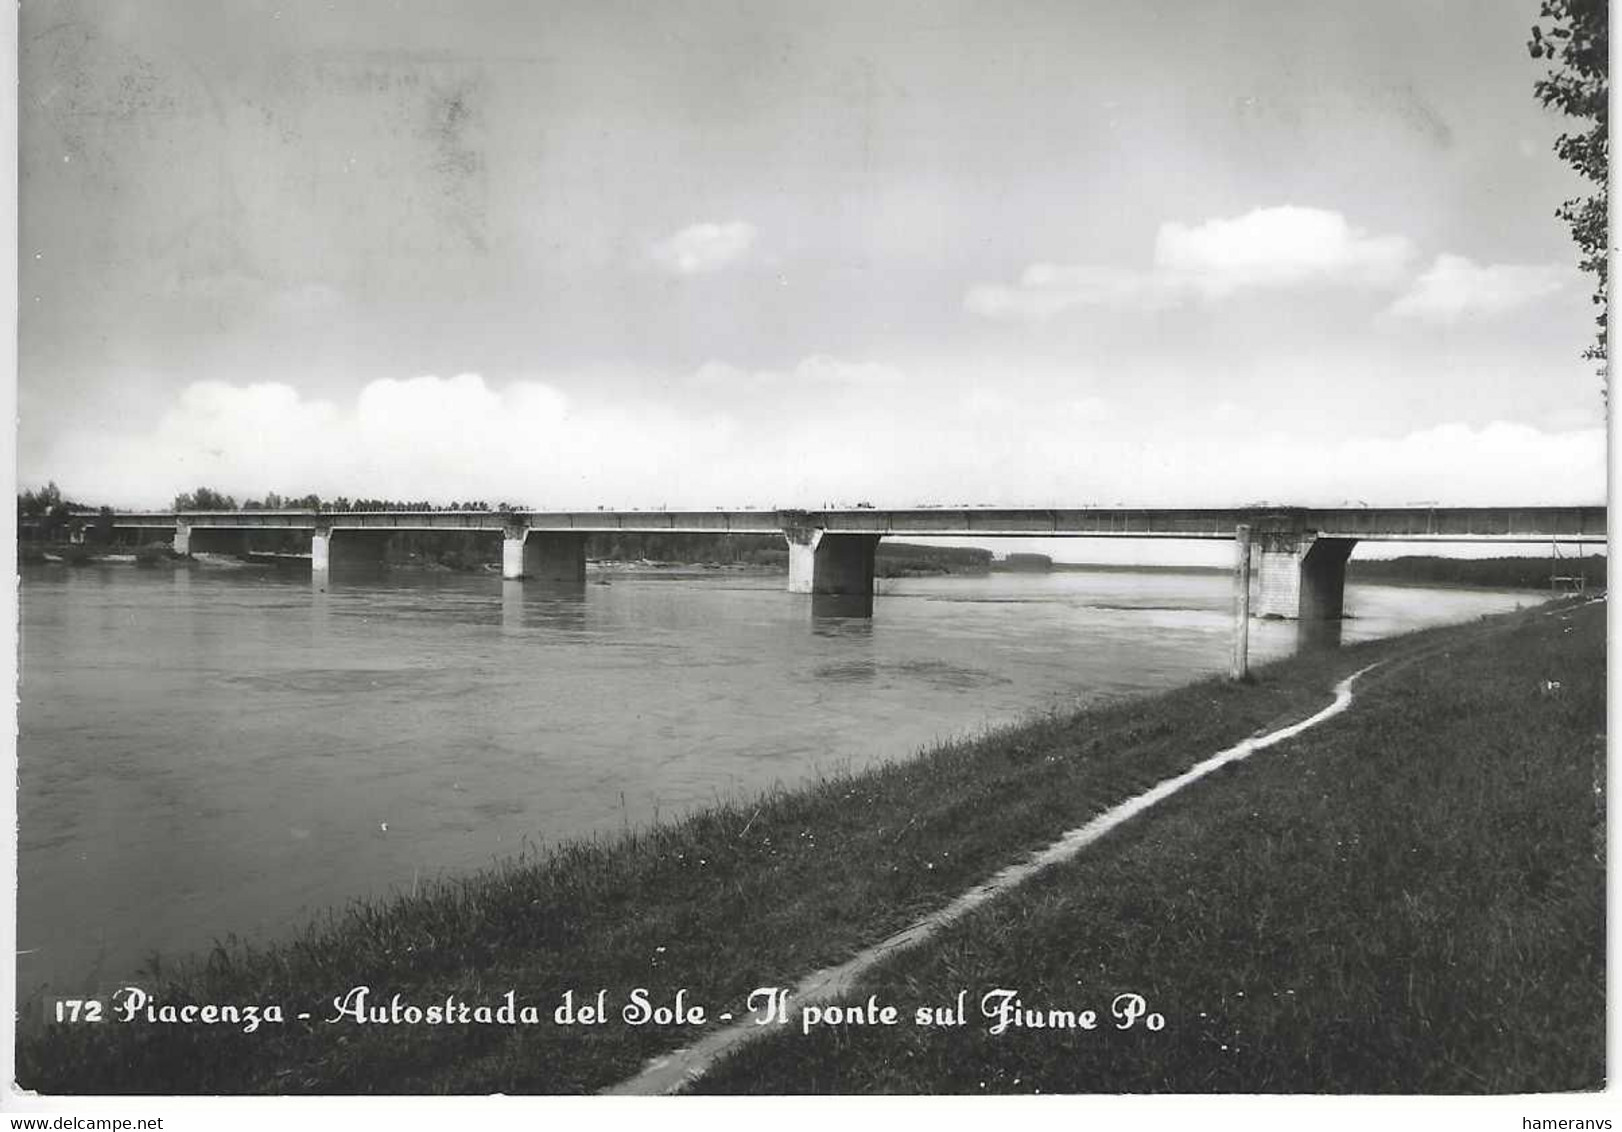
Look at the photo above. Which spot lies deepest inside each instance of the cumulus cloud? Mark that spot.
(419, 438)
(1453, 464)
(1053, 460)
(530, 442)
(1278, 247)
(1089, 410)
(991, 406)
(701, 248)
(814, 371)
(1266, 248)
(1456, 288)
(823, 370)
(1048, 289)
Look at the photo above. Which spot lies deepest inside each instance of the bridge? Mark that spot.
(1293, 559)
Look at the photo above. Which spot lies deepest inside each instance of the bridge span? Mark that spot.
(1292, 559)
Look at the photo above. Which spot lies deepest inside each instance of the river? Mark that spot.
(206, 752)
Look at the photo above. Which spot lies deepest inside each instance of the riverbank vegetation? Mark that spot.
(1494, 573)
(1409, 898)
(35, 552)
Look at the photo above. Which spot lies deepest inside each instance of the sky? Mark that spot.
(783, 254)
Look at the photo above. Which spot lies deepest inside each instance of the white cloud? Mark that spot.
(982, 402)
(1278, 247)
(1048, 289)
(1265, 248)
(996, 401)
(706, 247)
(713, 373)
(1456, 465)
(823, 370)
(421, 438)
(1089, 410)
(1455, 287)
(817, 370)
(1050, 459)
(528, 442)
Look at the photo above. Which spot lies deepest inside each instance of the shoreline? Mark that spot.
(742, 895)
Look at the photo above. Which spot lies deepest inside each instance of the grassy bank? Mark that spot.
(760, 893)
(1410, 899)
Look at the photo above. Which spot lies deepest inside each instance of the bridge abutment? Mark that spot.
(548, 556)
(821, 563)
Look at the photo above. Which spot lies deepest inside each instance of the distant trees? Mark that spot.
(47, 501)
(1526, 573)
(207, 499)
(39, 503)
(1576, 41)
(204, 499)
(662, 546)
(343, 503)
(44, 514)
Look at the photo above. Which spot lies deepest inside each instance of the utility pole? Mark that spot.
(1241, 604)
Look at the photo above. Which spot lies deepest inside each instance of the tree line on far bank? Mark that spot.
(207, 499)
(1504, 573)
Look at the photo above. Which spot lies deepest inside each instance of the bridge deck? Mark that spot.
(1495, 524)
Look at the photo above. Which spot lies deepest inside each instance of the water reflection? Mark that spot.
(834, 607)
(848, 672)
(1319, 636)
(536, 604)
(349, 573)
(320, 612)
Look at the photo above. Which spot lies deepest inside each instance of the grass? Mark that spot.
(750, 894)
(1409, 899)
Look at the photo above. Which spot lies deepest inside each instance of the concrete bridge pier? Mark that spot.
(820, 563)
(209, 540)
(1301, 576)
(548, 556)
(338, 547)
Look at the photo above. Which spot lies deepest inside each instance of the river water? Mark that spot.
(215, 751)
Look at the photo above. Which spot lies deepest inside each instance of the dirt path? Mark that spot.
(669, 1073)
